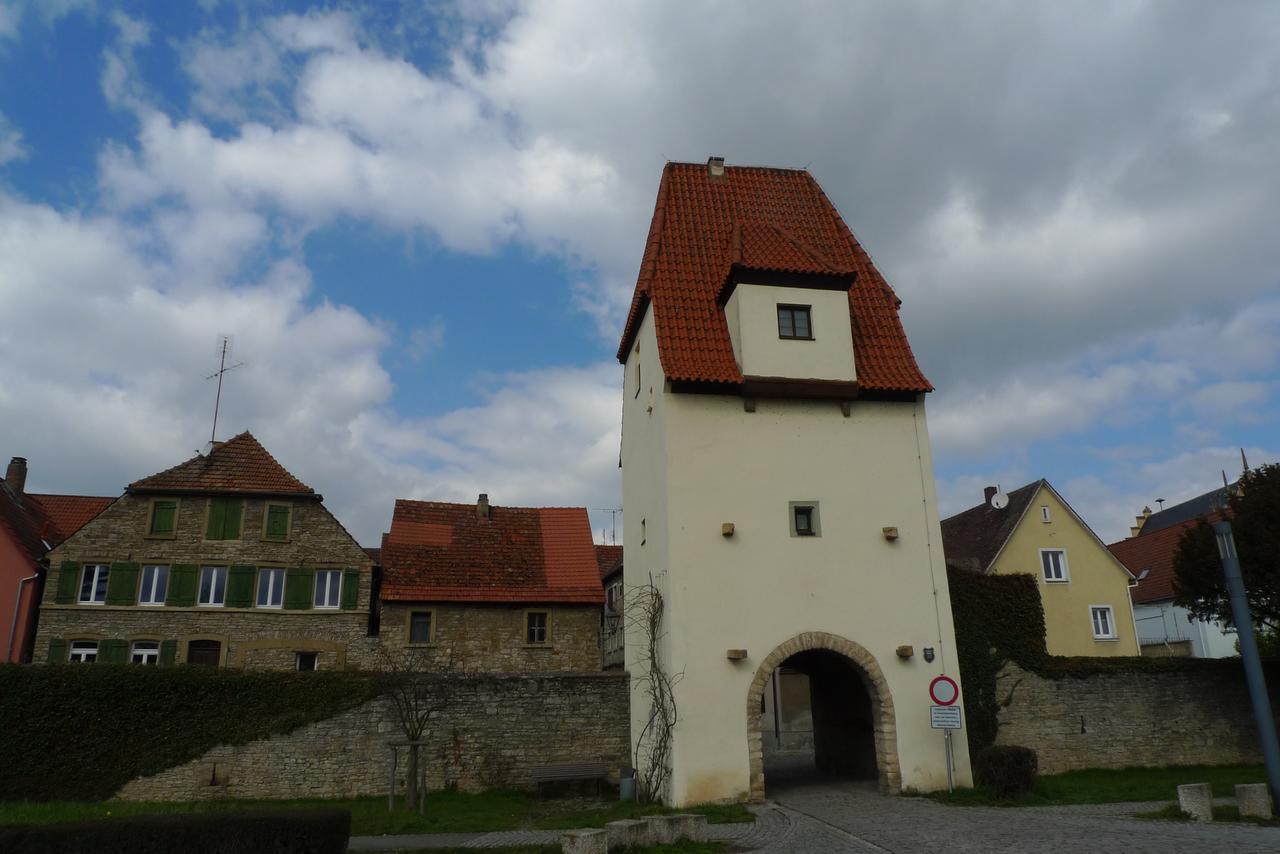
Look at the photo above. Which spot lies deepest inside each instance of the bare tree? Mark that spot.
(419, 694)
(643, 613)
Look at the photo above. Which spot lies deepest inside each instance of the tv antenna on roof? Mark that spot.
(225, 345)
(613, 512)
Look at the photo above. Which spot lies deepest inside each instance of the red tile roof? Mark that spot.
(1155, 552)
(69, 513)
(608, 558)
(439, 552)
(238, 465)
(762, 219)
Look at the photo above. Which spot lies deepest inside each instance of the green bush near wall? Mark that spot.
(81, 732)
(998, 619)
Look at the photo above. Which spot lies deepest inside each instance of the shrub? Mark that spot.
(1010, 771)
(321, 831)
(80, 733)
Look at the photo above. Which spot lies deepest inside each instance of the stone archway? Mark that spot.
(886, 740)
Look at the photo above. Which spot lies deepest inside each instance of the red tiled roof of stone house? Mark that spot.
(608, 557)
(69, 513)
(39, 522)
(238, 465)
(442, 552)
(762, 219)
(1154, 553)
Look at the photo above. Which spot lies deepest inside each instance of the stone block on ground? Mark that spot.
(587, 840)
(689, 826)
(1196, 800)
(1254, 800)
(628, 833)
(663, 829)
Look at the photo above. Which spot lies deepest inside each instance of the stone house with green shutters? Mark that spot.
(226, 560)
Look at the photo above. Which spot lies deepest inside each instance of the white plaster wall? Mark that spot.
(752, 317)
(762, 586)
(1163, 621)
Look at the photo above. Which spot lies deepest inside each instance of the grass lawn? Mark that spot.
(1113, 786)
(447, 812)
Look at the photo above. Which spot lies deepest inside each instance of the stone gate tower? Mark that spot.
(778, 486)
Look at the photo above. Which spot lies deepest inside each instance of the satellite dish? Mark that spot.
(1000, 500)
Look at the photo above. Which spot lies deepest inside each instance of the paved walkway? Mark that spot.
(815, 818)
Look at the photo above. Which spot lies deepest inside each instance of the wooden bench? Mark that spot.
(564, 772)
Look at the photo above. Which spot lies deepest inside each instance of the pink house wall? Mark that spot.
(14, 566)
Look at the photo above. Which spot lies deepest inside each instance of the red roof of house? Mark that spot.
(38, 523)
(1154, 552)
(439, 552)
(239, 465)
(759, 219)
(69, 513)
(608, 557)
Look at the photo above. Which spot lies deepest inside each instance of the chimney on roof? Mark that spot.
(16, 475)
(715, 167)
(482, 506)
(988, 492)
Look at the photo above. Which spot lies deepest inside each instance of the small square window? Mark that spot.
(213, 585)
(1053, 563)
(275, 522)
(83, 652)
(224, 519)
(164, 517)
(155, 585)
(1044, 513)
(793, 322)
(1104, 624)
(306, 661)
(804, 519)
(535, 625)
(420, 625)
(93, 584)
(145, 652)
(328, 586)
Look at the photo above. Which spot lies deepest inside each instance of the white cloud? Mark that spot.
(425, 340)
(11, 146)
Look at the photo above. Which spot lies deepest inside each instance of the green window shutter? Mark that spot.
(122, 584)
(277, 522)
(68, 582)
(231, 520)
(182, 586)
(57, 650)
(298, 587)
(217, 514)
(113, 651)
(163, 514)
(240, 586)
(350, 588)
(168, 652)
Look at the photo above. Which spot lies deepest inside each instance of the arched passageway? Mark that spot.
(819, 707)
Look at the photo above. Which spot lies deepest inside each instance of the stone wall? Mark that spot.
(478, 636)
(495, 729)
(1181, 715)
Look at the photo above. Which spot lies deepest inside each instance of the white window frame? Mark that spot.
(1044, 514)
(1066, 571)
(331, 590)
(152, 652)
(297, 661)
(213, 587)
(79, 649)
(147, 593)
(274, 577)
(1111, 622)
(101, 574)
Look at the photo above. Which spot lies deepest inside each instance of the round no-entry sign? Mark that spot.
(944, 690)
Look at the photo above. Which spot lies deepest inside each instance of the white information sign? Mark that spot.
(944, 717)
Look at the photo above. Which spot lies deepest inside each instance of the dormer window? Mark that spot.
(793, 322)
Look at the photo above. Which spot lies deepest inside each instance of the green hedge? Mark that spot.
(82, 732)
(1009, 771)
(321, 831)
(998, 619)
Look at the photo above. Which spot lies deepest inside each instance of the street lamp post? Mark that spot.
(1249, 653)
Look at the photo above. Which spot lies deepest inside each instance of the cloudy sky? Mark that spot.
(421, 225)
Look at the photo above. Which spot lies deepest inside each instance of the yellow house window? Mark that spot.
(1053, 563)
(1104, 623)
(1044, 513)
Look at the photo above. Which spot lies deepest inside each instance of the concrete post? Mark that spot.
(1196, 800)
(1254, 800)
(585, 841)
(628, 833)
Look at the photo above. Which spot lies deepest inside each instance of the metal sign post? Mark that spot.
(945, 716)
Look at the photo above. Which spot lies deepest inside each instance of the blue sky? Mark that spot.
(421, 224)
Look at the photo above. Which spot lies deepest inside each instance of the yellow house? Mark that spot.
(1033, 530)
